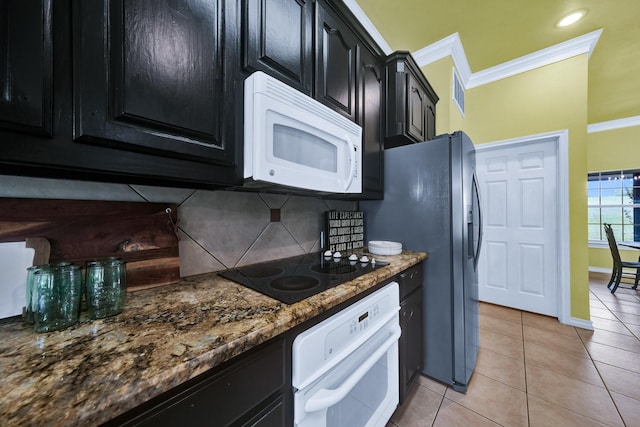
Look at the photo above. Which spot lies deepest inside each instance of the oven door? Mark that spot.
(362, 390)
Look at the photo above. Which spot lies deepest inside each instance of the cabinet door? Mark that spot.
(416, 109)
(411, 341)
(430, 120)
(335, 61)
(277, 39)
(371, 102)
(248, 392)
(26, 66)
(272, 416)
(150, 77)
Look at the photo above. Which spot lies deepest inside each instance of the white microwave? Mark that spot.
(293, 140)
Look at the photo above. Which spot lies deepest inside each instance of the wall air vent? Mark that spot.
(458, 92)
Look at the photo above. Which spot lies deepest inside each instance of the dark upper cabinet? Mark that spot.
(350, 79)
(336, 56)
(150, 77)
(370, 117)
(26, 70)
(349, 70)
(121, 91)
(151, 91)
(410, 115)
(277, 39)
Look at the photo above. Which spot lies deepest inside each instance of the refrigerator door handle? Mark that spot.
(476, 194)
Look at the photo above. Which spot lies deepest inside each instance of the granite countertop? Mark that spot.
(166, 335)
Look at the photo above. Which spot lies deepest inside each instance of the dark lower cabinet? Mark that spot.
(251, 390)
(410, 115)
(411, 340)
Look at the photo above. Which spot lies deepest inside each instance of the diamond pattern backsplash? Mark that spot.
(218, 229)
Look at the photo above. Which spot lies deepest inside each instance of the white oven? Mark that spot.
(291, 139)
(345, 369)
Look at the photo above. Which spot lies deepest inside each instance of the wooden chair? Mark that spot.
(618, 265)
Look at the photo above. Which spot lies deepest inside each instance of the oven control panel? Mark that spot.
(355, 326)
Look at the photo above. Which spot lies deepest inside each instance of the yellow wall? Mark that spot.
(546, 99)
(440, 76)
(612, 150)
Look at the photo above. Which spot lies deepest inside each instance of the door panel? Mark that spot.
(417, 109)
(519, 266)
(149, 77)
(286, 55)
(335, 62)
(26, 66)
(370, 118)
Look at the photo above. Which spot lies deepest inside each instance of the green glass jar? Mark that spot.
(106, 286)
(69, 285)
(55, 296)
(29, 297)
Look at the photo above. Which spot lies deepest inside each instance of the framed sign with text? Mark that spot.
(344, 230)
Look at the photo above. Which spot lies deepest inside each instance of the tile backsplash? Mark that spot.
(217, 229)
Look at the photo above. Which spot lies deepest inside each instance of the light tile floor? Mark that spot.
(534, 371)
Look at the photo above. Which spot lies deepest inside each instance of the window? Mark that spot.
(614, 198)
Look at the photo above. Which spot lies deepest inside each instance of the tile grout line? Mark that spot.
(438, 410)
(524, 362)
(606, 387)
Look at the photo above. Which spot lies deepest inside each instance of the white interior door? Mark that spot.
(518, 264)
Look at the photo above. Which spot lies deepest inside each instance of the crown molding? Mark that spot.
(452, 46)
(556, 53)
(614, 124)
(448, 46)
(368, 25)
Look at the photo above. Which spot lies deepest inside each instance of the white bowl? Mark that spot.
(381, 247)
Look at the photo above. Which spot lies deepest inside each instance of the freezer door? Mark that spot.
(466, 295)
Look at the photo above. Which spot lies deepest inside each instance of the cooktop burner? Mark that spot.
(294, 283)
(293, 279)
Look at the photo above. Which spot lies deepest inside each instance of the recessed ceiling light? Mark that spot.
(572, 18)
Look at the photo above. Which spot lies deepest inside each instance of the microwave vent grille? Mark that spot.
(458, 92)
(297, 99)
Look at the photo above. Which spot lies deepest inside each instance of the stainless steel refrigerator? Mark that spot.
(431, 204)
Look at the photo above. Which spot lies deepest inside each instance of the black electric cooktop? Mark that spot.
(293, 279)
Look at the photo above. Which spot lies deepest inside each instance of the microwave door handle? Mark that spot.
(325, 398)
(352, 166)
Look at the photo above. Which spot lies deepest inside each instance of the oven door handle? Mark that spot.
(325, 398)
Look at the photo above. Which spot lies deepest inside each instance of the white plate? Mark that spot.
(381, 247)
(15, 258)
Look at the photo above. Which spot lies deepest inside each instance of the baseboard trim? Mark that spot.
(580, 323)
